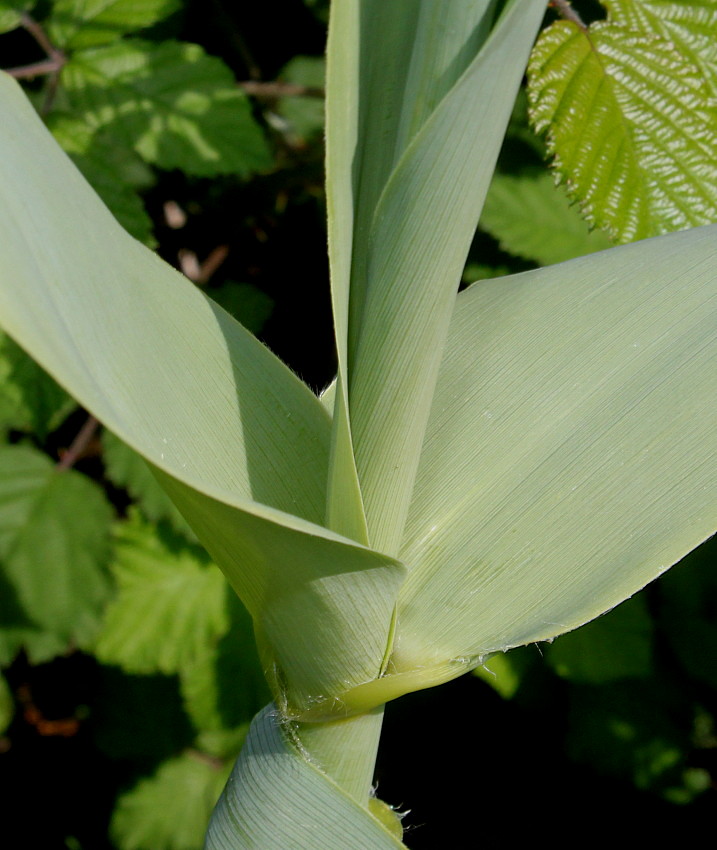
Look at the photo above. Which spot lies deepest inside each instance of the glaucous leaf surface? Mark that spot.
(426, 156)
(241, 443)
(570, 454)
(314, 812)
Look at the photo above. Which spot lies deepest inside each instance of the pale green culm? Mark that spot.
(490, 469)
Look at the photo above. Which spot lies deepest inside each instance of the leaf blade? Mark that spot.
(571, 485)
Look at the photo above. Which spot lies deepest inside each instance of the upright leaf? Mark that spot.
(410, 247)
(241, 443)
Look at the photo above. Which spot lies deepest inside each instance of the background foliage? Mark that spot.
(129, 673)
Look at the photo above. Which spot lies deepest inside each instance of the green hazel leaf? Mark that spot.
(170, 603)
(54, 545)
(77, 24)
(248, 304)
(239, 442)
(110, 168)
(224, 687)
(631, 124)
(305, 115)
(30, 400)
(314, 811)
(570, 455)
(688, 24)
(616, 646)
(7, 705)
(11, 13)
(125, 468)
(170, 809)
(531, 218)
(174, 104)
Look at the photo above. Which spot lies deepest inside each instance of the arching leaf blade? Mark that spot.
(240, 443)
(570, 455)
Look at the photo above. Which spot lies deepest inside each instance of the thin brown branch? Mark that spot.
(278, 89)
(566, 11)
(38, 33)
(79, 445)
(36, 69)
(51, 66)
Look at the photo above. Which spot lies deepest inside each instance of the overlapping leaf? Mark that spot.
(570, 455)
(243, 445)
(314, 812)
(632, 123)
(425, 155)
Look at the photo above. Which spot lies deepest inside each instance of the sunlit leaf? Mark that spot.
(631, 123)
(427, 150)
(570, 456)
(174, 104)
(688, 24)
(240, 443)
(87, 23)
